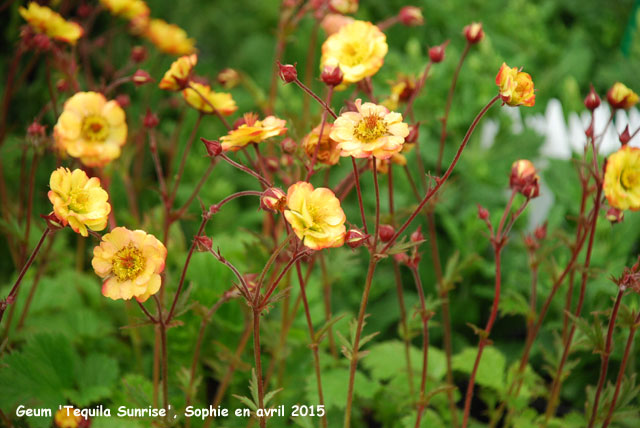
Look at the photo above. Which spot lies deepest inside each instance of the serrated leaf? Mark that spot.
(387, 359)
(491, 370)
(96, 378)
(269, 395)
(335, 383)
(247, 401)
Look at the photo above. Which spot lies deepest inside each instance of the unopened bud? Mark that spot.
(332, 76)
(625, 136)
(228, 78)
(355, 238)
(288, 72)
(417, 236)
(288, 145)
(402, 258)
(138, 54)
(272, 163)
(62, 85)
(592, 100)
(411, 16)
(150, 119)
(141, 77)
(84, 10)
(473, 32)
(386, 232)
(123, 100)
(344, 7)
(203, 244)
(273, 199)
(36, 130)
(524, 178)
(286, 160)
(540, 232)
(414, 133)
(436, 53)
(483, 213)
(214, 148)
(615, 215)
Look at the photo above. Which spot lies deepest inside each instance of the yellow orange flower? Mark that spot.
(202, 98)
(516, 87)
(177, 77)
(169, 38)
(91, 128)
(253, 131)
(65, 418)
(333, 22)
(357, 48)
(328, 152)
(46, 21)
(128, 9)
(382, 166)
(130, 262)
(401, 91)
(371, 131)
(622, 179)
(315, 216)
(619, 96)
(78, 200)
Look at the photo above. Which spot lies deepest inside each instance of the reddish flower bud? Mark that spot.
(138, 54)
(524, 178)
(35, 130)
(531, 243)
(84, 10)
(141, 77)
(286, 160)
(344, 7)
(355, 238)
(417, 236)
(289, 145)
(401, 258)
(288, 72)
(589, 131)
(436, 53)
(41, 42)
(272, 163)
(615, 215)
(273, 199)
(386, 232)
(228, 78)
(625, 136)
(214, 148)
(473, 32)
(150, 119)
(483, 213)
(53, 222)
(414, 133)
(592, 100)
(541, 232)
(123, 100)
(62, 85)
(203, 243)
(411, 16)
(332, 76)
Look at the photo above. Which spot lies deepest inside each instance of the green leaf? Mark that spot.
(387, 359)
(335, 384)
(491, 370)
(96, 379)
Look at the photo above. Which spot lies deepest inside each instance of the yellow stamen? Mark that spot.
(128, 263)
(95, 128)
(630, 178)
(370, 128)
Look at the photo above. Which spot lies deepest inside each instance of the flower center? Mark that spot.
(78, 201)
(352, 54)
(95, 128)
(128, 263)
(370, 128)
(630, 178)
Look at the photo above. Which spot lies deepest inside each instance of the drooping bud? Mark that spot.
(615, 215)
(141, 77)
(386, 232)
(524, 178)
(288, 145)
(150, 119)
(228, 78)
(214, 148)
(287, 72)
(355, 238)
(417, 236)
(625, 136)
(273, 199)
(473, 32)
(204, 244)
(483, 213)
(436, 53)
(592, 100)
(123, 100)
(332, 76)
(138, 54)
(410, 16)
(36, 130)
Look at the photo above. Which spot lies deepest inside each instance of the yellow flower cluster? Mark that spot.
(127, 9)
(177, 77)
(169, 38)
(622, 179)
(45, 21)
(516, 87)
(253, 131)
(328, 152)
(315, 215)
(130, 262)
(91, 128)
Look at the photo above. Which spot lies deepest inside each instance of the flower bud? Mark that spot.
(592, 100)
(344, 7)
(62, 85)
(615, 215)
(141, 77)
(273, 199)
(625, 136)
(204, 244)
(84, 10)
(483, 213)
(214, 148)
(621, 97)
(286, 160)
(436, 53)
(411, 16)
(123, 100)
(41, 42)
(402, 258)
(36, 130)
(540, 232)
(531, 243)
(332, 76)
(524, 178)
(150, 119)
(355, 238)
(386, 232)
(288, 72)
(417, 236)
(288, 145)
(228, 78)
(414, 133)
(138, 54)
(473, 32)
(272, 163)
